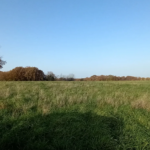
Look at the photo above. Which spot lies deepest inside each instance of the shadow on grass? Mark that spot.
(61, 131)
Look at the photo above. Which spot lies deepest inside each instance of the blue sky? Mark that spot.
(80, 37)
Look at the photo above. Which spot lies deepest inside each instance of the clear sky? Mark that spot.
(83, 37)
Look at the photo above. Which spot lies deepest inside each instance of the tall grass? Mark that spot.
(75, 115)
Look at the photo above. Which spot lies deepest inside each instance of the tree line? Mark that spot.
(112, 78)
(35, 74)
(22, 74)
(31, 74)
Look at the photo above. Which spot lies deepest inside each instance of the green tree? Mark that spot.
(2, 63)
(50, 76)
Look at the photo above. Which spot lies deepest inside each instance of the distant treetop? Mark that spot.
(2, 63)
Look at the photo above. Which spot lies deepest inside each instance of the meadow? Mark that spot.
(75, 115)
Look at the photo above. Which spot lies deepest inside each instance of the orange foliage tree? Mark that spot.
(23, 74)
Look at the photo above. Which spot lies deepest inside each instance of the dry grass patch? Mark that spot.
(2, 106)
(142, 102)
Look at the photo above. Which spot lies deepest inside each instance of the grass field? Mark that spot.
(75, 115)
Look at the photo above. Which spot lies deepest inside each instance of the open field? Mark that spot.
(75, 115)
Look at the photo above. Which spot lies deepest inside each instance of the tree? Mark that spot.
(23, 74)
(50, 76)
(70, 77)
(2, 63)
(33, 74)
